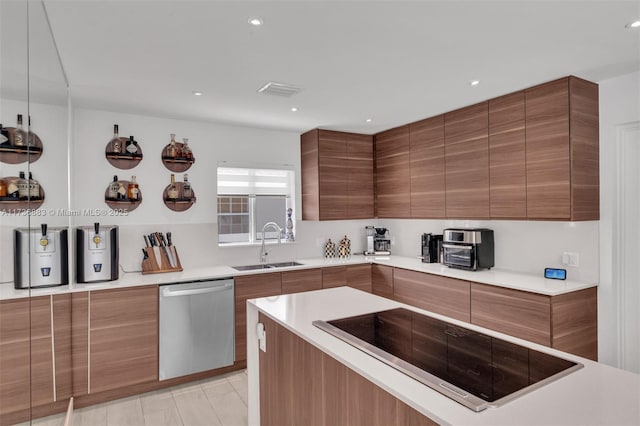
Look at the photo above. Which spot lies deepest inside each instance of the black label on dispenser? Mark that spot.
(97, 267)
(45, 271)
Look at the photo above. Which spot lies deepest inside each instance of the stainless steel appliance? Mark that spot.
(468, 248)
(472, 368)
(196, 327)
(96, 253)
(378, 242)
(40, 257)
(431, 246)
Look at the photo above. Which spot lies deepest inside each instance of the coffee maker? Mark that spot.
(378, 242)
(96, 253)
(431, 247)
(40, 257)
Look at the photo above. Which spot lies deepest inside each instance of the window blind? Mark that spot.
(240, 181)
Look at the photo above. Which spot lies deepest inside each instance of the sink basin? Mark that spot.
(266, 266)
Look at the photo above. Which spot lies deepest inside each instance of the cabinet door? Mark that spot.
(62, 345)
(507, 157)
(427, 168)
(301, 280)
(442, 295)
(382, 280)
(250, 287)
(123, 337)
(359, 276)
(335, 276)
(14, 361)
(514, 312)
(393, 178)
(548, 164)
(333, 175)
(310, 175)
(360, 193)
(467, 162)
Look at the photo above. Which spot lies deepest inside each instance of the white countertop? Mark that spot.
(595, 395)
(502, 278)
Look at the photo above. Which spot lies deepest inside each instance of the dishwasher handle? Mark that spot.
(167, 292)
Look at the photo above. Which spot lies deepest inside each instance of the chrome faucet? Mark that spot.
(263, 251)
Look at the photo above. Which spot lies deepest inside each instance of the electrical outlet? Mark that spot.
(571, 259)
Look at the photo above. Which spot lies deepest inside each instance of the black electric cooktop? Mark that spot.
(472, 368)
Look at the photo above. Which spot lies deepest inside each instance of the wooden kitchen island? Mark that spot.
(307, 376)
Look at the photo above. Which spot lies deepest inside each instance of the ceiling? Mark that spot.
(393, 62)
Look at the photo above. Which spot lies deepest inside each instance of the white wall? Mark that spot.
(519, 245)
(619, 104)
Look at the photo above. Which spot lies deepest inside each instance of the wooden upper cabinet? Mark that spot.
(467, 162)
(337, 175)
(548, 160)
(426, 139)
(507, 157)
(360, 187)
(393, 177)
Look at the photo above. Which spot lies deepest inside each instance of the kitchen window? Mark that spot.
(250, 197)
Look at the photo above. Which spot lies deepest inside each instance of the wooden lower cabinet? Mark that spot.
(382, 280)
(566, 322)
(442, 295)
(35, 355)
(250, 287)
(356, 276)
(114, 339)
(301, 280)
(301, 385)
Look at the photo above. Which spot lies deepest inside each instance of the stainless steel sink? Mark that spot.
(266, 266)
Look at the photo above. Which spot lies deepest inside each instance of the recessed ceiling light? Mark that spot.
(474, 82)
(368, 120)
(196, 93)
(294, 109)
(255, 21)
(634, 24)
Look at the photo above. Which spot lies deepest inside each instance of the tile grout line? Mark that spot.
(211, 403)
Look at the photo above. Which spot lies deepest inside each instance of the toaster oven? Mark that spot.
(468, 248)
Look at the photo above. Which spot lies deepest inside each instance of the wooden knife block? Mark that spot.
(158, 264)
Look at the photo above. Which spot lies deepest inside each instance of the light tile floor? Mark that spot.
(220, 400)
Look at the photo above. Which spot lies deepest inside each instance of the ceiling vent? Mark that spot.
(279, 89)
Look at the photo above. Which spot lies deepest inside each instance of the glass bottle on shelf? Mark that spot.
(132, 146)
(122, 192)
(172, 192)
(133, 192)
(187, 193)
(4, 135)
(34, 187)
(113, 189)
(31, 139)
(23, 187)
(172, 151)
(12, 189)
(3, 188)
(115, 144)
(186, 150)
(19, 137)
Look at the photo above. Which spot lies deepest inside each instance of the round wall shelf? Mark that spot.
(179, 204)
(123, 160)
(177, 164)
(12, 154)
(122, 203)
(12, 204)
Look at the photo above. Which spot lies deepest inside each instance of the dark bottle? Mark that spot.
(34, 188)
(132, 146)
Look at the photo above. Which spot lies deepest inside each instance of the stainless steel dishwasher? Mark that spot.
(197, 322)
